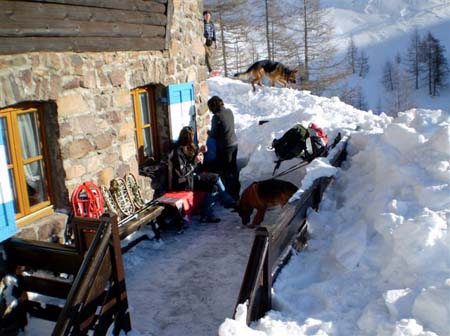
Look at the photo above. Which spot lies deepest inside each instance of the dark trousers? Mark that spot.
(227, 163)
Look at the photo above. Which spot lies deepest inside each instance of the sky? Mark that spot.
(378, 258)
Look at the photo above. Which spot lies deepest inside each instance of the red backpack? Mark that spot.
(316, 131)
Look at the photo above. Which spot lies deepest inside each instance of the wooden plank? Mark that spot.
(18, 11)
(29, 44)
(45, 286)
(142, 218)
(84, 277)
(136, 5)
(50, 312)
(256, 284)
(100, 278)
(122, 319)
(42, 255)
(64, 28)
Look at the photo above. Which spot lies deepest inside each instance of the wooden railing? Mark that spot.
(272, 244)
(96, 296)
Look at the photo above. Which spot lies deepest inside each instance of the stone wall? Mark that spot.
(91, 95)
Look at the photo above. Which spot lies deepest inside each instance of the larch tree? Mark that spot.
(320, 68)
(414, 66)
(352, 54)
(229, 19)
(390, 76)
(436, 64)
(363, 64)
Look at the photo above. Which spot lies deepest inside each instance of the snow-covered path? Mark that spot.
(188, 284)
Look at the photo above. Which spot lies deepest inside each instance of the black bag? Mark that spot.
(291, 144)
(206, 182)
(209, 42)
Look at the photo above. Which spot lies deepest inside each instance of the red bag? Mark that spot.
(316, 131)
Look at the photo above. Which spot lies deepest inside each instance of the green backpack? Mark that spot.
(291, 144)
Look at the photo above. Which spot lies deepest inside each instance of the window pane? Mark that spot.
(145, 111)
(4, 135)
(148, 145)
(36, 186)
(28, 135)
(14, 190)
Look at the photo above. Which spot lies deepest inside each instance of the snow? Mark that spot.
(377, 262)
(383, 29)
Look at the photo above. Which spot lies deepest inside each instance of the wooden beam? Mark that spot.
(142, 218)
(42, 255)
(41, 13)
(131, 5)
(78, 44)
(49, 312)
(45, 286)
(63, 28)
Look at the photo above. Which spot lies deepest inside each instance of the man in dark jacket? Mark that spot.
(209, 32)
(222, 131)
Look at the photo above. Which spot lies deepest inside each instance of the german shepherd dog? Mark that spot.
(275, 71)
(262, 195)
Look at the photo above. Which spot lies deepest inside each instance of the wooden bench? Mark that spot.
(93, 289)
(123, 199)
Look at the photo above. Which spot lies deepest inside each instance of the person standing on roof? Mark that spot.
(209, 32)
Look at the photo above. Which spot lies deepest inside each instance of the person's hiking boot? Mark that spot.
(209, 219)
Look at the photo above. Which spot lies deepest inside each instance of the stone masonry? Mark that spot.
(91, 92)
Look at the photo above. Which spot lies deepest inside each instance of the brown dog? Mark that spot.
(275, 71)
(262, 195)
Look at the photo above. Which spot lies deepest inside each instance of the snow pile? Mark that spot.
(282, 109)
(377, 262)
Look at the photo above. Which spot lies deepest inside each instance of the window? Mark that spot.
(23, 137)
(144, 105)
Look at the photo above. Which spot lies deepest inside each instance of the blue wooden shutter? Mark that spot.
(7, 213)
(181, 108)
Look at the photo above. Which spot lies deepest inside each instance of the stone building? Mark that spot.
(90, 90)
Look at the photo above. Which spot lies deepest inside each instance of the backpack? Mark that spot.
(211, 153)
(305, 143)
(318, 133)
(291, 144)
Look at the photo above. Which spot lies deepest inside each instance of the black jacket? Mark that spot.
(222, 129)
(185, 174)
(181, 170)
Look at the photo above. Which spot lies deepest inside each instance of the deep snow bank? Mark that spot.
(378, 261)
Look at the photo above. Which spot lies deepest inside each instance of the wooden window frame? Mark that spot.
(27, 213)
(151, 94)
